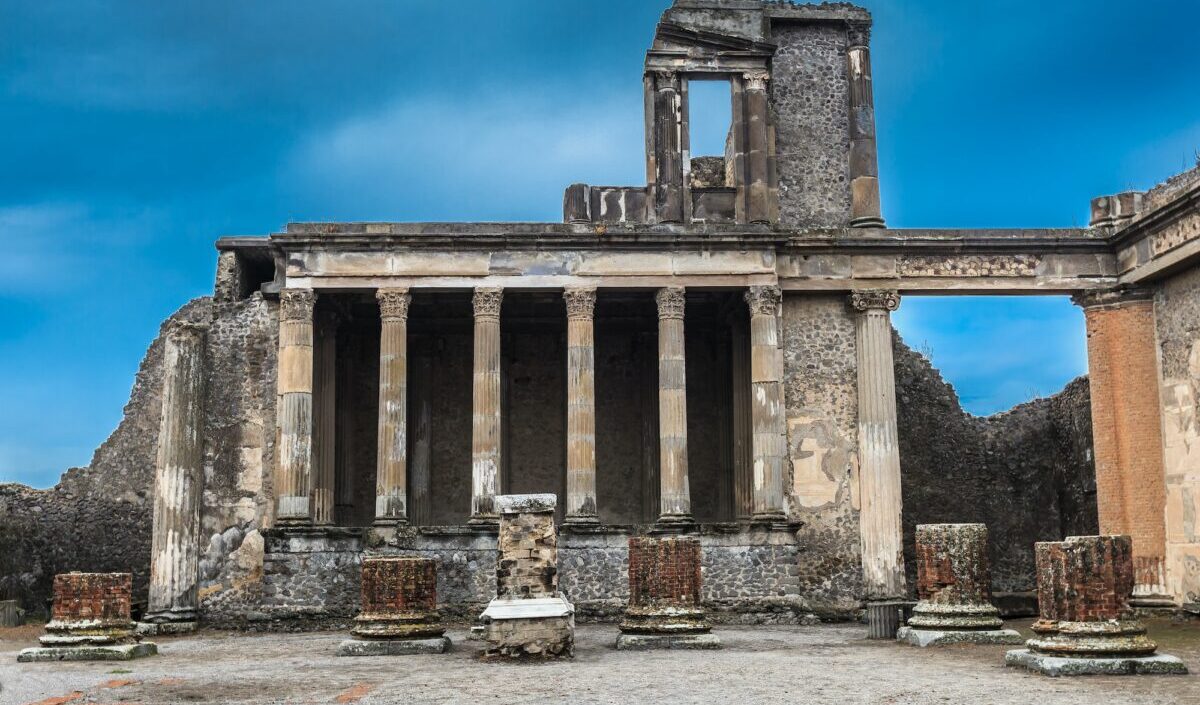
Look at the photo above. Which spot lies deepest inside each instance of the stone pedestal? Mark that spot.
(1084, 621)
(665, 610)
(529, 617)
(954, 586)
(90, 621)
(399, 609)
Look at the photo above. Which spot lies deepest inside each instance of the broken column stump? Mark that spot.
(665, 609)
(529, 617)
(954, 588)
(90, 621)
(399, 612)
(1085, 626)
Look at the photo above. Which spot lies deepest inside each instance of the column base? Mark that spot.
(390, 521)
(166, 628)
(1093, 666)
(581, 520)
(484, 522)
(673, 523)
(645, 642)
(867, 222)
(945, 637)
(393, 647)
(112, 652)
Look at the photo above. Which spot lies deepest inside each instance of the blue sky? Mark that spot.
(133, 134)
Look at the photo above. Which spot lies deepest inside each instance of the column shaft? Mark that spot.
(878, 449)
(581, 407)
(743, 433)
(758, 143)
(178, 479)
(767, 412)
(420, 508)
(295, 419)
(324, 420)
(668, 152)
(675, 496)
(485, 418)
(391, 474)
(864, 167)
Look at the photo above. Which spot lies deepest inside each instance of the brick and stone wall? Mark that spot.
(664, 572)
(96, 599)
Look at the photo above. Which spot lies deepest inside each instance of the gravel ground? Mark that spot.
(827, 663)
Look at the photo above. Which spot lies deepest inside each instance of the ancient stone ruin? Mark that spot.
(954, 586)
(399, 613)
(709, 354)
(529, 618)
(1085, 625)
(665, 608)
(90, 621)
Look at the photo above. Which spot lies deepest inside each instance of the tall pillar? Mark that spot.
(864, 163)
(324, 419)
(294, 480)
(581, 407)
(878, 451)
(668, 150)
(420, 469)
(743, 427)
(769, 442)
(1127, 435)
(391, 468)
(760, 208)
(178, 479)
(675, 502)
(485, 417)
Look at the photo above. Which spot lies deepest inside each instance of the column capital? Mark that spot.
(756, 80)
(581, 303)
(858, 35)
(1111, 297)
(487, 302)
(297, 304)
(875, 299)
(670, 302)
(763, 300)
(666, 76)
(393, 303)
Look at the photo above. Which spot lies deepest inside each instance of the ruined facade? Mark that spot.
(709, 354)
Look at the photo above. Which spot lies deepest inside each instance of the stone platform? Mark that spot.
(89, 652)
(393, 647)
(166, 628)
(945, 637)
(646, 642)
(1159, 664)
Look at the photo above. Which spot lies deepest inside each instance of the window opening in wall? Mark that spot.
(710, 115)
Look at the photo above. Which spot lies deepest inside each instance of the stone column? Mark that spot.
(485, 418)
(1085, 625)
(1127, 430)
(294, 481)
(324, 419)
(666, 605)
(90, 621)
(767, 413)
(675, 502)
(178, 480)
(399, 612)
(878, 450)
(668, 154)
(954, 585)
(391, 498)
(581, 408)
(759, 148)
(864, 168)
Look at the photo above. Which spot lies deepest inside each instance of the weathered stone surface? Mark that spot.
(954, 583)
(109, 652)
(90, 608)
(1160, 664)
(647, 642)
(525, 503)
(664, 587)
(399, 599)
(393, 647)
(938, 637)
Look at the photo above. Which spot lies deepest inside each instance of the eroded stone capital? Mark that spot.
(763, 300)
(581, 303)
(875, 299)
(487, 302)
(756, 80)
(393, 303)
(665, 79)
(297, 305)
(670, 302)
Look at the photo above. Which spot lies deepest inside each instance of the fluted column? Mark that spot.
(668, 154)
(878, 450)
(485, 418)
(391, 468)
(178, 479)
(758, 148)
(324, 418)
(581, 407)
(766, 404)
(864, 164)
(294, 480)
(675, 502)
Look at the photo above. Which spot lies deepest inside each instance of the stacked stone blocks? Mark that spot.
(954, 589)
(665, 608)
(399, 609)
(90, 621)
(529, 619)
(1085, 625)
